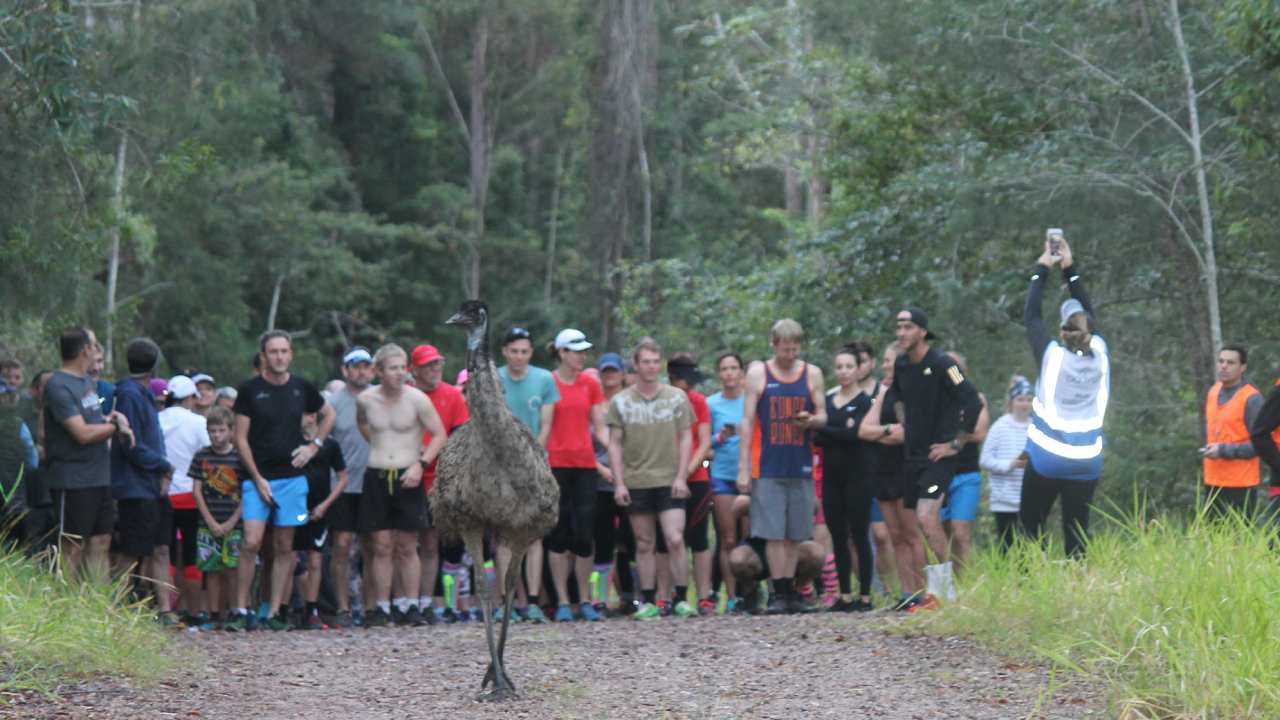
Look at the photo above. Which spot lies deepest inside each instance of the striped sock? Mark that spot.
(830, 579)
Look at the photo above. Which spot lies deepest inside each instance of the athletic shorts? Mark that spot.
(782, 508)
(962, 497)
(653, 501)
(290, 495)
(720, 486)
(930, 480)
(892, 486)
(142, 526)
(311, 537)
(185, 523)
(218, 553)
(386, 504)
(344, 513)
(876, 515)
(85, 512)
(697, 523)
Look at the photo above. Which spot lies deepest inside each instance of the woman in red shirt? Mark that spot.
(578, 415)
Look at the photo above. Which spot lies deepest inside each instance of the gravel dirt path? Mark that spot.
(817, 666)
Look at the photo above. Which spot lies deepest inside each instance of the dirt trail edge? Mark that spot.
(821, 666)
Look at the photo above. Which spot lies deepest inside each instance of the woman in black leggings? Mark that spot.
(846, 487)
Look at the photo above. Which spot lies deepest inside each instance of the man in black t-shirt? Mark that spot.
(939, 403)
(268, 435)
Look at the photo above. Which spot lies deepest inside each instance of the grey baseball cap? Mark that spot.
(1069, 308)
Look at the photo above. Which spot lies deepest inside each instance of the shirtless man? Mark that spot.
(393, 416)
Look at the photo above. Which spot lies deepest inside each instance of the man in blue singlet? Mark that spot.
(783, 403)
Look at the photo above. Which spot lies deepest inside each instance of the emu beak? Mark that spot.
(456, 319)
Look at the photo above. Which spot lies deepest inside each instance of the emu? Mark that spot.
(492, 477)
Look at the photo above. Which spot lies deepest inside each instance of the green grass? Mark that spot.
(53, 631)
(1180, 619)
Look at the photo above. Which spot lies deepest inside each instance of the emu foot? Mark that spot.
(490, 678)
(498, 694)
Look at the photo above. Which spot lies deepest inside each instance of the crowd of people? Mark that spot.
(278, 504)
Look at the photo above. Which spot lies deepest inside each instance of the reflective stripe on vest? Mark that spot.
(1225, 424)
(1045, 407)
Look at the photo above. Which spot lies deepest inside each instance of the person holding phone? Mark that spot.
(1064, 440)
(726, 413)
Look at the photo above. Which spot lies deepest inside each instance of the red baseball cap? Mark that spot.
(424, 354)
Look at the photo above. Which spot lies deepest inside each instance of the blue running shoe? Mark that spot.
(586, 612)
(564, 613)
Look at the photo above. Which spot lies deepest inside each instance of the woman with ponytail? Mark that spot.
(1064, 439)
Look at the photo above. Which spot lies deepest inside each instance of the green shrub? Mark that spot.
(52, 630)
(1180, 618)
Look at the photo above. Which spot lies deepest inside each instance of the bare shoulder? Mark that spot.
(755, 370)
(366, 396)
(416, 396)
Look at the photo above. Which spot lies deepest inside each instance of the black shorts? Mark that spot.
(312, 536)
(930, 480)
(85, 512)
(344, 513)
(386, 504)
(185, 521)
(653, 500)
(891, 486)
(142, 526)
(697, 521)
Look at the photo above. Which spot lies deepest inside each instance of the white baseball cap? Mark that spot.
(181, 387)
(202, 377)
(572, 339)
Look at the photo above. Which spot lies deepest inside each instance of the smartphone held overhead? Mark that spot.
(1054, 236)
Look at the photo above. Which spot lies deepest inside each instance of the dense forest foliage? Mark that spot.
(199, 171)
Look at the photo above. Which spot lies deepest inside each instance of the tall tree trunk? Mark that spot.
(275, 302)
(480, 139)
(1210, 274)
(554, 222)
(113, 262)
(646, 194)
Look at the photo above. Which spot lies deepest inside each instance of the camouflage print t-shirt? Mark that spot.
(651, 429)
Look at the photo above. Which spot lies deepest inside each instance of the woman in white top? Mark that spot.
(1004, 458)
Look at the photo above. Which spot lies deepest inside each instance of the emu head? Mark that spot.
(472, 316)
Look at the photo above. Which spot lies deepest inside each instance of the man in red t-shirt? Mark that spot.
(682, 371)
(427, 368)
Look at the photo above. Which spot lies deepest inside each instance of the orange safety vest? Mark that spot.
(1225, 424)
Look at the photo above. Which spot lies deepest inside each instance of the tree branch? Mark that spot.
(439, 70)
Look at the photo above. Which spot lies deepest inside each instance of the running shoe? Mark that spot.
(449, 616)
(430, 616)
(647, 611)
(534, 615)
(210, 623)
(169, 619)
(926, 604)
(735, 606)
(464, 616)
(627, 607)
(314, 622)
(343, 619)
(357, 618)
(907, 603)
(798, 605)
(778, 605)
(684, 610)
(861, 605)
(706, 606)
(377, 618)
(564, 613)
(602, 609)
(842, 606)
(275, 623)
(198, 621)
(397, 616)
(664, 608)
(586, 612)
(238, 622)
(413, 617)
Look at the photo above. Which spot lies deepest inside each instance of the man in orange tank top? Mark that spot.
(1264, 433)
(1230, 462)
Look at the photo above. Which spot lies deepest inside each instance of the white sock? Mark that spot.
(424, 602)
(240, 611)
(404, 603)
(384, 606)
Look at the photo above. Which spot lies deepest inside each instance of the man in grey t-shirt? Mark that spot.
(78, 464)
(357, 370)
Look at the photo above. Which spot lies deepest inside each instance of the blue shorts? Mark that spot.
(720, 486)
(876, 515)
(962, 497)
(290, 495)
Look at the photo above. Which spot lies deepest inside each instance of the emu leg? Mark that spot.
(501, 689)
(510, 581)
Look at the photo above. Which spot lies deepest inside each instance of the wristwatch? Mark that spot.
(956, 444)
(888, 430)
(317, 442)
